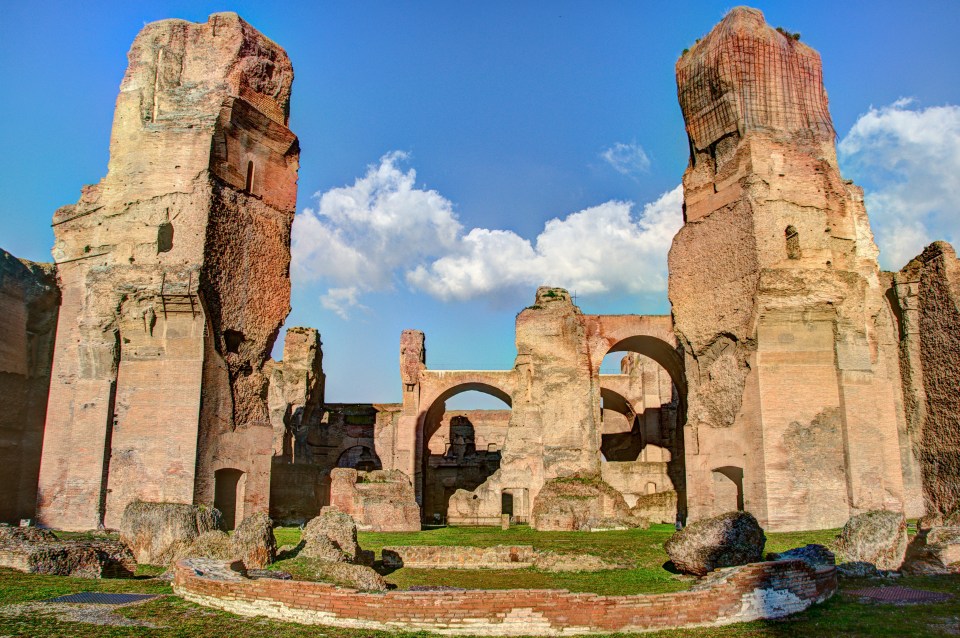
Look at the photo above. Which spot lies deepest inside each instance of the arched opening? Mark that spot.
(728, 489)
(793, 242)
(643, 410)
(360, 457)
(460, 444)
(248, 187)
(228, 496)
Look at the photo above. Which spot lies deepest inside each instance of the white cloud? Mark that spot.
(382, 230)
(627, 159)
(342, 301)
(359, 236)
(908, 161)
(597, 250)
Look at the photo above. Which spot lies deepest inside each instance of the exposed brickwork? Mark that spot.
(28, 322)
(759, 590)
(174, 271)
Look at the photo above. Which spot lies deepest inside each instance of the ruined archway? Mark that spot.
(642, 412)
(359, 457)
(458, 448)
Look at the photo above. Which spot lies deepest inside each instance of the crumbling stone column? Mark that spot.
(794, 389)
(175, 279)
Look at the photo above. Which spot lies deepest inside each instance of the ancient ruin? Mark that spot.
(28, 322)
(174, 276)
(793, 380)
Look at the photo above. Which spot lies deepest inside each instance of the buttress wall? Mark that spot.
(174, 271)
(791, 347)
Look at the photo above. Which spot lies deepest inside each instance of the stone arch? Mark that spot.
(664, 353)
(435, 497)
(625, 443)
(728, 488)
(359, 457)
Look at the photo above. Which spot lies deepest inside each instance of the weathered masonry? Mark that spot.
(795, 410)
(793, 379)
(174, 272)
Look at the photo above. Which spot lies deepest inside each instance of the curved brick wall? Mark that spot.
(759, 590)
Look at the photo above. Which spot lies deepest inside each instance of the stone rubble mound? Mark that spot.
(582, 503)
(37, 551)
(329, 550)
(934, 551)
(878, 537)
(331, 536)
(731, 539)
(159, 533)
(253, 541)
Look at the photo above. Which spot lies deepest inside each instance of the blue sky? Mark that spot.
(441, 138)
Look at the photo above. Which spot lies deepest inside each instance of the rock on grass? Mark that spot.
(727, 540)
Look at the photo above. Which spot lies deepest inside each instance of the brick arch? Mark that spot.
(436, 387)
(613, 400)
(649, 335)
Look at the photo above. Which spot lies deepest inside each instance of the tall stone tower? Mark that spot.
(794, 407)
(174, 271)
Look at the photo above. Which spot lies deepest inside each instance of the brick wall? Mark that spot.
(751, 592)
(451, 557)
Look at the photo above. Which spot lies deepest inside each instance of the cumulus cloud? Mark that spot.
(360, 236)
(627, 159)
(383, 231)
(908, 161)
(597, 250)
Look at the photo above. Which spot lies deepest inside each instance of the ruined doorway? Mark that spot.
(463, 433)
(228, 496)
(728, 489)
(506, 504)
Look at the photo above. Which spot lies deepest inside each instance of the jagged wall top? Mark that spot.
(746, 76)
(182, 69)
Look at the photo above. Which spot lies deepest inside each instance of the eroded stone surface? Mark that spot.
(927, 291)
(28, 320)
(157, 533)
(794, 410)
(878, 538)
(727, 540)
(174, 272)
(34, 551)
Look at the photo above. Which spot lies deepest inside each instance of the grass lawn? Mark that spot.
(173, 617)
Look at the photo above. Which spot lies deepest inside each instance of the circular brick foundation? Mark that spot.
(739, 594)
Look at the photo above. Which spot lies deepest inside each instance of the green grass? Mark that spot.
(175, 618)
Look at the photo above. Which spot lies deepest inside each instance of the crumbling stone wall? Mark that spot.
(463, 452)
(790, 346)
(174, 271)
(927, 295)
(379, 501)
(28, 322)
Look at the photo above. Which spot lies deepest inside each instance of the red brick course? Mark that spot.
(759, 590)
